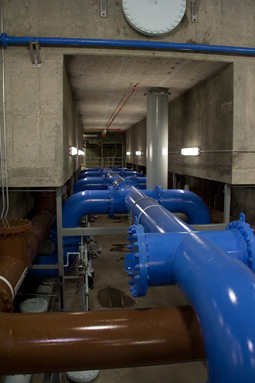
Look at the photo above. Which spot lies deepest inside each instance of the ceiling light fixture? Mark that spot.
(128, 153)
(138, 153)
(190, 151)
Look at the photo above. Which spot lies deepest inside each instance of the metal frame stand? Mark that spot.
(227, 202)
(174, 181)
(60, 247)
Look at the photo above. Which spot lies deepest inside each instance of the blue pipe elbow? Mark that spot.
(188, 203)
(114, 201)
(220, 288)
(83, 203)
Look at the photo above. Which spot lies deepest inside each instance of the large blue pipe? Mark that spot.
(216, 281)
(102, 183)
(6, 40)
(113, 201)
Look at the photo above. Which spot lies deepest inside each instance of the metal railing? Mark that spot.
(103, 162)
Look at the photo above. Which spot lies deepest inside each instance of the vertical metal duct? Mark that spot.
(157, 137)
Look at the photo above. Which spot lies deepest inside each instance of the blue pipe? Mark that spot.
(113, 201)
(216, 281)
(109, 43)
(181, 201)
(159, 267)
(102, 183)
(222, 294)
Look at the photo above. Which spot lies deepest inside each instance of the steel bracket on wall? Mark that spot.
(103, 8)
(34, 49)
(194, 11)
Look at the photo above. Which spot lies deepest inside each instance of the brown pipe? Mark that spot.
(40, 228)
(19, 244)
(51, 342)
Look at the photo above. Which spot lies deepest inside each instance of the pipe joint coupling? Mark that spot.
(137, 261)
(248, 235)
(159, 192)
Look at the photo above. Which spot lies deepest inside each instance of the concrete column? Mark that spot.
(157, 137)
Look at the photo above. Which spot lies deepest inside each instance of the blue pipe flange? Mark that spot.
(248, 235)
(111, 202)
(137, 261)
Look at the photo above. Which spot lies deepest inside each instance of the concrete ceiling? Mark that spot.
(99, 83)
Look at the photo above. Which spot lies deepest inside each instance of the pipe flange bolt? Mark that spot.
(248, 235)
(137, 261)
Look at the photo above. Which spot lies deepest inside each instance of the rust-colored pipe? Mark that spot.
(40, 228)
(19, 244)
(50, 342)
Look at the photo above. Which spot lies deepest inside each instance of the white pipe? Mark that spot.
(157, 138)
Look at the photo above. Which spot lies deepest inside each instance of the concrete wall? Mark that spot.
(37, 131)
(33, 119)
(203, 117)
(72, 129)
(136, 140)
(243, 128)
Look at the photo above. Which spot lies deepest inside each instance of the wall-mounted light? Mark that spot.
(90, 135)
(81, 153)
(73, 151)
(138, 153)
(128, 153)
(190, 151)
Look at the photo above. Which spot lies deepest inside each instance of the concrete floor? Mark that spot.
(110, 272)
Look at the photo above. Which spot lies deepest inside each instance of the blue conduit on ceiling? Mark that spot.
(6, 40)
(211, 270)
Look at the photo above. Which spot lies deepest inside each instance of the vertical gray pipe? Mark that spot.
(157, 137)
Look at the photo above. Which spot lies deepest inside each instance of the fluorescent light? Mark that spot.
(190, 151)
(138, 153)
(128, 153)
(90, 135)
(73, 151)
(81, 153)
